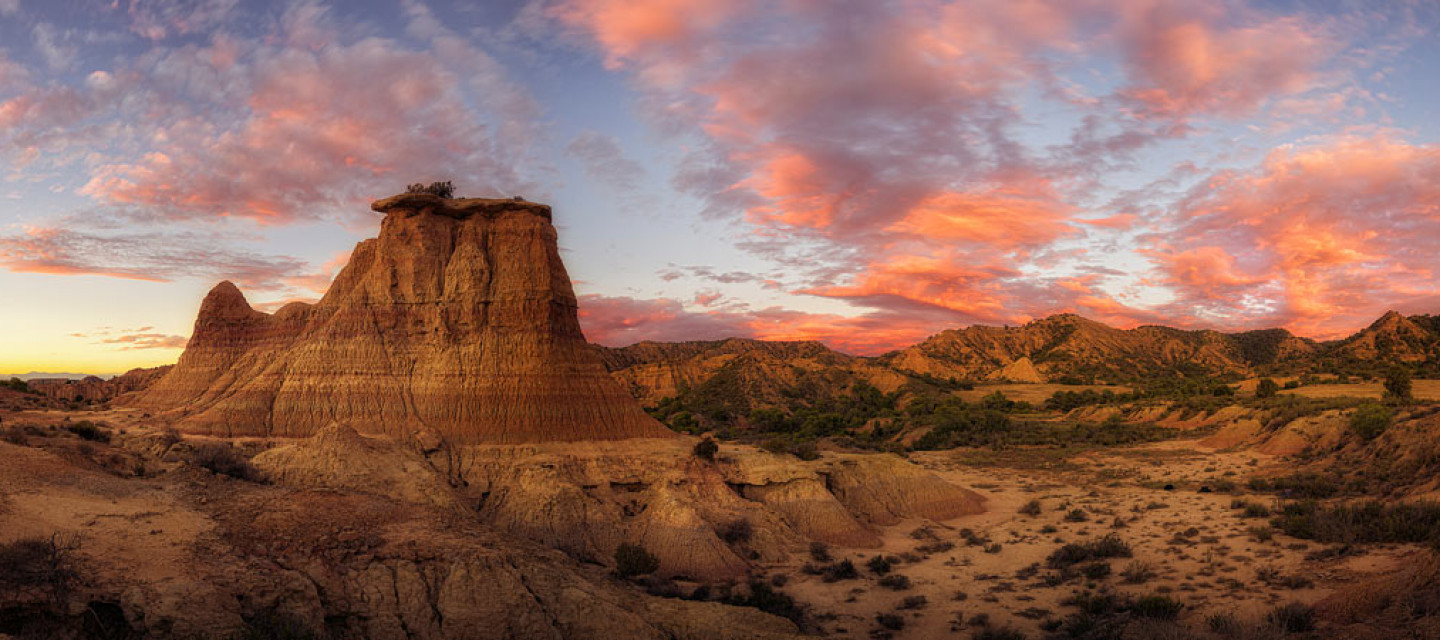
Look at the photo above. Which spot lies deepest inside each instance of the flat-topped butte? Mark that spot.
(459, 208)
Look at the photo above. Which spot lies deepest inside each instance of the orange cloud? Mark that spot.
(1320, 239)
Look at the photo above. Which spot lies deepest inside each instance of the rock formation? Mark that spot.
(96, 389)
(458, 321)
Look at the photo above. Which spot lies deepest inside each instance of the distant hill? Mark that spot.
(740, 374)
(33, 375)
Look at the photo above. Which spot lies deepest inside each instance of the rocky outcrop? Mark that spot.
(458, 321)
(94, 389)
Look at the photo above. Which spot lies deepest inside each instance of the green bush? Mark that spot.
(1398, 385)
(634, 560)
(443, 189)
(1267, 388)
(1371, 419)
(706, 449)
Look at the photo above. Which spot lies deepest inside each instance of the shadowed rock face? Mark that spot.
(459, 319)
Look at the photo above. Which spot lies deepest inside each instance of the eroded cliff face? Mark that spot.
(458, 320)
(586, 499)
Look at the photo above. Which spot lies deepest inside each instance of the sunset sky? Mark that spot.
(865, 173)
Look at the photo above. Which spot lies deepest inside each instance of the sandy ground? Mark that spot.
(1199, 549)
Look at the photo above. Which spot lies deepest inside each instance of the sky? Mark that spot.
(861, 172)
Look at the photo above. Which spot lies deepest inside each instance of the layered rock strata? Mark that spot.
(458, 321)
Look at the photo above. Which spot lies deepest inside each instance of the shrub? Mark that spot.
(1371, 419)
(1096, 571)
(879, 565)
(772, 601)
(842, 570)
(706, 449)
(1267, 388)
(224, 460)
(1138, 572)
(1225, 624)
(1397, 384)
(819, 552)
(1110, 546)
(1031, 508)
(1364, 522)
(736, 531)
(88, 431)
(1001, 633)
(634, 560)
(15, 436)
(1295, 617)
(444, 189)
(1255, 510)
(1077, 515)
(891, 621)
(896, 582)
(1156, 606)
(806, 451)
(43, 567)
(914, 602)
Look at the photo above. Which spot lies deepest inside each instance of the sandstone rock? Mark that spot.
(339, 458)
(459, 318)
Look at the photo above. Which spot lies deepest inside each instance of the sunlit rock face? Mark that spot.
(459, 320)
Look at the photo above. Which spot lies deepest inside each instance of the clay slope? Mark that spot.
(459, 319)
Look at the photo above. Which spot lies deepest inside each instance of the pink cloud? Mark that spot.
(325, 125)
(153, 257)
(1191, 58)
(1320, 238)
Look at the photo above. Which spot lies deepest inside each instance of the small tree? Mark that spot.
(444, 189)
(706, 449)
(1267, 388)
(633, 560)
(1370, 420)
(1398, 385)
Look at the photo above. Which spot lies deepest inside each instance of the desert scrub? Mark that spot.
(1110, 546)
(41, 568)
(634, 560)
(770, 600)
(1371, 419)
(224, 460)
(890, 621)
(1301, 485)
(1138, 572)
(1156, 606)
(1295, 617)
(997, 633)
(706, 449)
(88, 431)
(879, 565)
(913, 602)
(1362, 522)
(1031, 508)
(895, 582)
